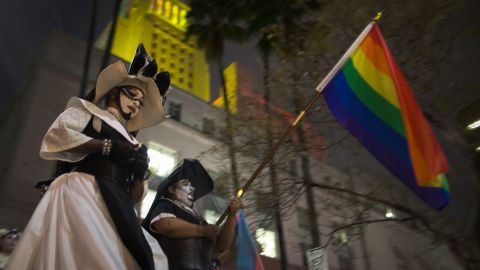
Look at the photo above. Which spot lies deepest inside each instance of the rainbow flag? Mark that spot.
(247, 255)
(368, 94)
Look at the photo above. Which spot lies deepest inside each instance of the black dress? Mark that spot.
(192, 253)
(86, 219)
(114, 180)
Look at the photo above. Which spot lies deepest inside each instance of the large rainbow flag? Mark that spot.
(368, 94)
(247, 254)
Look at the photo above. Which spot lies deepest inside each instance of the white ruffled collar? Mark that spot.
(104, 115)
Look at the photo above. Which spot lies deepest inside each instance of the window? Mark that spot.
(211, 216)
(175, 14)
(293, 168)
(183, 18)
(208, 126)
(304, 248)
(147, 202)
(167, 9)
(341, 247)
(389, 213)
(268, 242)
(162, 160)
(159, 6)
(303, 221)
(175, 110)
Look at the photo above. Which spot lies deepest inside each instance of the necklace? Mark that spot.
(117, 115)
(185, 208)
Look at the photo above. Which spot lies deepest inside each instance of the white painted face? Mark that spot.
(184, 192)
(131, 100)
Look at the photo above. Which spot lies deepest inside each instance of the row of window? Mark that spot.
(171, 11)
(174, 58)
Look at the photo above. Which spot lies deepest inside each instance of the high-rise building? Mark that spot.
(161, 26)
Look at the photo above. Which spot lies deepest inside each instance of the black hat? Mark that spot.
(143, 64)
(142, 67)
(190, 169)
(193, 171)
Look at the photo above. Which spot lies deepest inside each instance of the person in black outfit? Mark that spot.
(186, 238)
(86, 218)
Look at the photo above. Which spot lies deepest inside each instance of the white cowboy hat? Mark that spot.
(116, 75)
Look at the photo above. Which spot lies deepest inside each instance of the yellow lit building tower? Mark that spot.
(161, 25)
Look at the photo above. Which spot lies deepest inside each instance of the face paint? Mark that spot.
(130, 101)
(184, 192)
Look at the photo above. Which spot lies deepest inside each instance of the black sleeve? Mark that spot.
(163, 206)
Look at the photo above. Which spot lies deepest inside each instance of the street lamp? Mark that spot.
(390, 214)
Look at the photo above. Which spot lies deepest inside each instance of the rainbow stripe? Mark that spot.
(247, 255)
(369, 96)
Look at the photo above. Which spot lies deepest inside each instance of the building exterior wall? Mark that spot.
(161, 26)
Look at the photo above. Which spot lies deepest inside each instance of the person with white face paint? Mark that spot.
(86, 218)
(189, 242)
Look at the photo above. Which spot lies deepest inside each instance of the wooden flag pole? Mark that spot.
(270, 154)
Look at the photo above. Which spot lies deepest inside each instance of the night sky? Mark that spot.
(25, 27)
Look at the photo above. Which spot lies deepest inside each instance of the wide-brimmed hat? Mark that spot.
(193, 171)
(142, 74)
(116, 75)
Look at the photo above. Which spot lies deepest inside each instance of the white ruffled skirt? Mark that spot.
(71, 228)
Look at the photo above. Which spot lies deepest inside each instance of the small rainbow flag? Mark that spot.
(247, 254)
(368, 94)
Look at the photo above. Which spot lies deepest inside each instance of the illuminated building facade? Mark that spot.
(161, 25)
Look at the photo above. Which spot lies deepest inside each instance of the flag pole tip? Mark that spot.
(378, 16)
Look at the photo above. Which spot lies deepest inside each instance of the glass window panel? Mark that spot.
(268, 242)
(162, 161)
(147, 202)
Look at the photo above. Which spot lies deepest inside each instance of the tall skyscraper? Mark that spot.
(161, 26)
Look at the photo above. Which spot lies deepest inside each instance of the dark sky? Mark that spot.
(25, 26)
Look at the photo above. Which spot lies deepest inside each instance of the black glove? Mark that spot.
(122, 151)
(139, 163)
